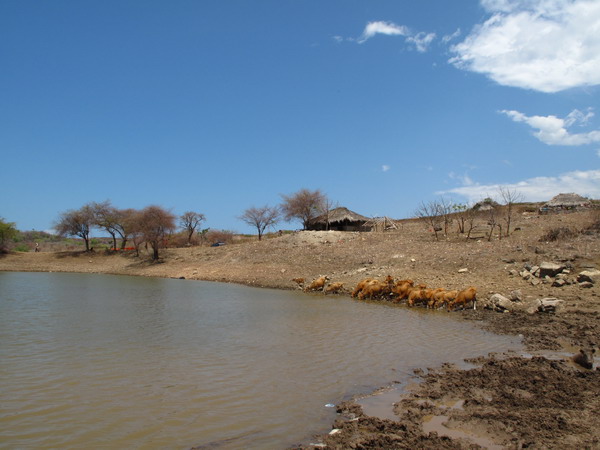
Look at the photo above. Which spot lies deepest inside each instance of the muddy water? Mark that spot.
(119, 362)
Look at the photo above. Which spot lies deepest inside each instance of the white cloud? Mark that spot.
(385, 168)
(447, 38)
(387, 28)
(586, 183)
(420, 41)
(464, 179)
(544, 45)
(553, 130)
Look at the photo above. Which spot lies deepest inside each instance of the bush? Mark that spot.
(22, 248)
(558, 233)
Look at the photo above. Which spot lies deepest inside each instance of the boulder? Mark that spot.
(559, 282)
(591, 275)
(549, 305)
(516, 295)
(586, 284)
(548, 269)
(526, 275)
(513, 272)
(499, 301)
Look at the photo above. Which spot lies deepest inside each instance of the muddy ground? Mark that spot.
(508, 401)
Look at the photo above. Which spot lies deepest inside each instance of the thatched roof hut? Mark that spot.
(340, 219)
(566, 202)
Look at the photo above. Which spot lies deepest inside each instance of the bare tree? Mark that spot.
(304, 206)
(76, 222)
(445, 211)
(156, 224)
(189, 221)
(509, 197)
(430, 213)
(261, 218)
(465, 218)
(493, 220)
(325, 209)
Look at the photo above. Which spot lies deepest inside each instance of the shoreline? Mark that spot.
(509, 401)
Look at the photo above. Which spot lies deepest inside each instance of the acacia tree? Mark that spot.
(126, 224)
(304, 205)
(509, 197)
(107, 218)
(189, 221)
(155, 224)
(76, 222)
(261, 218)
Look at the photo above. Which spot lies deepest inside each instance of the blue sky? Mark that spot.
(217, 106)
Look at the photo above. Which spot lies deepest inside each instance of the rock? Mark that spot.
(526, 275)
(535, 270)
(592, 276)
(548, 269)
(516, 295)
(499, 301)
(549, 304)
(559, 283)
(585, 358)
(513, 272)
(586, 285)
(464, 270)
(535, 281)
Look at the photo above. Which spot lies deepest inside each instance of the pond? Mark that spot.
(126, 362)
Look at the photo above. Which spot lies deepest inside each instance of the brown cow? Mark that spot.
(360, 286)
(334, 287)
(317, 285)
(402, 288)
(463, 298)
(373, 289)
(417, 295)
(436, 296)
(299, 281)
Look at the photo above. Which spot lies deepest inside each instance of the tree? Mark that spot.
(261, 218)
(126, 224)
(76, 222)
(431, 214)
(325, 209)
(189, 221)
(107, 218)
(304, 206)
(156, 224)
(8, 231)
(509, 197)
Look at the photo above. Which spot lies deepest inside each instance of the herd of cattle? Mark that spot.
(397, 291)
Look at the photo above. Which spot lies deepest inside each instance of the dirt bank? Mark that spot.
(512, 402)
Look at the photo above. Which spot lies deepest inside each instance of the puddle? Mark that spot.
(381, 403)
(436, 423)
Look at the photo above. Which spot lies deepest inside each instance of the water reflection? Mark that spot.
(153, 363)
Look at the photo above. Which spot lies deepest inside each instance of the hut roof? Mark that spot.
(569, 199)
(339, 215)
